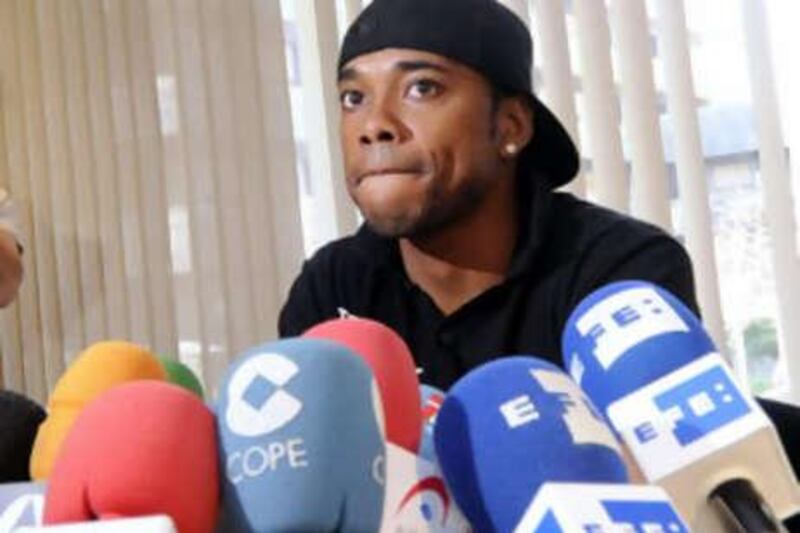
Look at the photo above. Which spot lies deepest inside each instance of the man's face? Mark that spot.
(418, 140)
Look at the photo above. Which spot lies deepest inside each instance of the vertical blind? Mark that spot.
(151, 148)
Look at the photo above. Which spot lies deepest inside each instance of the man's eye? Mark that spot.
(351, 99)
(424, 88)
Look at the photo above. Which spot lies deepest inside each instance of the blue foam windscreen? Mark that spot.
(627, 334)
(301, 440)
(432, 399)
(511, 425)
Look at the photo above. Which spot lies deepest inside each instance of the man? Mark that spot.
(466, 252)
(10, 251)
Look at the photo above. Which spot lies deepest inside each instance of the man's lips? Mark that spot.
(383, 172)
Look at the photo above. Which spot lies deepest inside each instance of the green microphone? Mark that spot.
(181, 375)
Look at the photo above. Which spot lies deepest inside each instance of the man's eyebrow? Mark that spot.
(410, 66)
(351, 73)
(347, 74)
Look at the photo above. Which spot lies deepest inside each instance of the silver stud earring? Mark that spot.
(511, 148)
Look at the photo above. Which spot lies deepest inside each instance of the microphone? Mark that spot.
(139, 449)
(21, 504)
(149, 524)
(648, 364)
(181, 375)
(19, 421)
(432, 399)
(417, 498)
(301, 440)
(601, 507)
(512, 425)
(395, 372)
(391, 362)
(99, 368)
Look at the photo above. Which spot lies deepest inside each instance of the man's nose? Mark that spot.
(380, 127)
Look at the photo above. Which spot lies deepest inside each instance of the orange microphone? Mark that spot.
(99, 368)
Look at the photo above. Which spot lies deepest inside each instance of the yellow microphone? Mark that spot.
(97, 369)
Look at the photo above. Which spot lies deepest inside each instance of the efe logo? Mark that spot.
(644, 517)
(519, 411)
(702, 405)
(621, 321)
(582, 421)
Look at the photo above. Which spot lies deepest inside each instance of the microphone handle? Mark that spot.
(747, 507)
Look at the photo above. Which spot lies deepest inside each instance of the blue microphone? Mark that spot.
(301, 438)
(640, 331)
(647, 362)
(512, 425)
(432, 399)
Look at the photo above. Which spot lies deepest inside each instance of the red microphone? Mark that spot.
(141, 448)
(395, 372)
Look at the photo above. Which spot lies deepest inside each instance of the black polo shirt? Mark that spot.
(567, 248)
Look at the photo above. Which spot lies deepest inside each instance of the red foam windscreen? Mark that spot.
(395, 372)
(141, 448)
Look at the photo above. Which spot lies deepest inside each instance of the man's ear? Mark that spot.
(514, 129)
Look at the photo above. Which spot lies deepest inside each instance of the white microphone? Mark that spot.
(647, 363)
(21, 504)
(599, 508)
(148, 524)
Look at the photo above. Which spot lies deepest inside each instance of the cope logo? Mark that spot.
(623, 320)
(258, 403)
(641, 517)
(698, 407)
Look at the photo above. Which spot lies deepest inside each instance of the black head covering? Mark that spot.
(484, 35)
